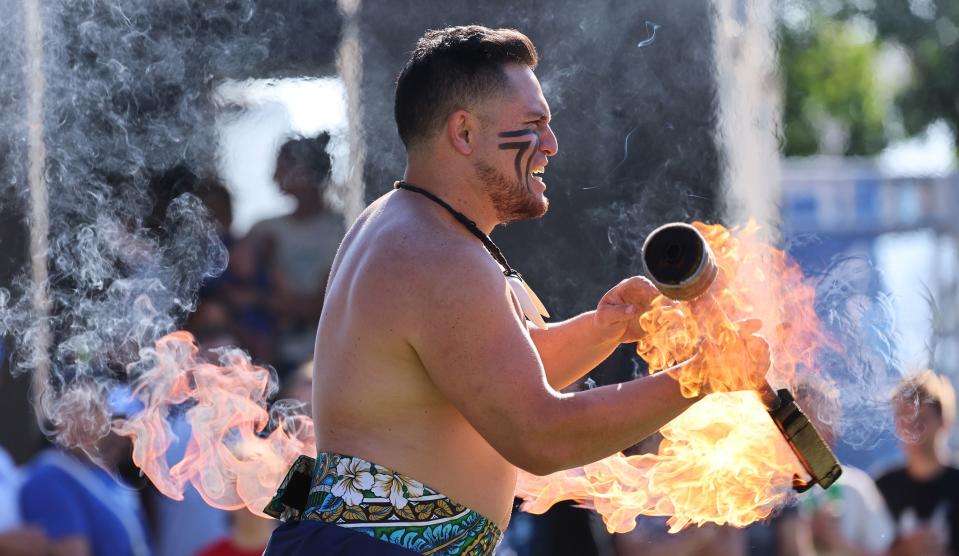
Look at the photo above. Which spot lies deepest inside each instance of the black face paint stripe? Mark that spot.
(521, 148)
(517, 133)
(529, 161)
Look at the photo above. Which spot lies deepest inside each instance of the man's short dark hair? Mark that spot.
(452, 68)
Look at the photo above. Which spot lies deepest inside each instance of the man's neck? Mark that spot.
(456, 190)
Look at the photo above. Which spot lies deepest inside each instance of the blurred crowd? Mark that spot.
(269, 301)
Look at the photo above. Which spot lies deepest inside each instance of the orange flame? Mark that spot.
(723, 460)
(230, 459)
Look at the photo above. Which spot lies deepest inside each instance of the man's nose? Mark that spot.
(549, 145)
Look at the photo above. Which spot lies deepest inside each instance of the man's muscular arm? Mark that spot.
(572, 348)
(479, 354)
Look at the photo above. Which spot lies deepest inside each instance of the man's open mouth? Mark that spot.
(537, 173)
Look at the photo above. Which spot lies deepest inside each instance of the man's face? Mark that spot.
(918, 425)
(512, 147)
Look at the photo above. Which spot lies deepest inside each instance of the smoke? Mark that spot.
(601, 88)
(862, 366)
(829, 342)
(750, 108)
(128, 129)
(12, 121)
(651, 31)
(856, 371)
(120, 107)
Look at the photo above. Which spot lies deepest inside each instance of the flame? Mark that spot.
(234, 458)
(700, 473)
(723, 460)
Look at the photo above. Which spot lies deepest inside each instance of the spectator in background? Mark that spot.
(184, 526)
(298, 249)
(850, 518)
(217, 199)
(239, 299)
(248, 533)
(923, 496)
(299, 386)
(248, 536)
(15, 539)
(84, 509)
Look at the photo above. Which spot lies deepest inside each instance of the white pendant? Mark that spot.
(533, 308)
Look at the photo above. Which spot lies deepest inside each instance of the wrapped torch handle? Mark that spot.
(769, 397)
(806, 443)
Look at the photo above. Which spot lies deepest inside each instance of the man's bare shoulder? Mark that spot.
(408, 237)
(418, 273)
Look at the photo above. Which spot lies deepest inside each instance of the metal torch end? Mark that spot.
(804, 440)
(679, 262)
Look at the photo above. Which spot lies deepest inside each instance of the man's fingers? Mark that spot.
(634, 291)
(639, 285)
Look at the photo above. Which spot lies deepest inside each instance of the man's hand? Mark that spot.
(617, 315)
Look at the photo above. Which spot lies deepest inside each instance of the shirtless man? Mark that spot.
(431, 388)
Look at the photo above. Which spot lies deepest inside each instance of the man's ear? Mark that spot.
(461, 131)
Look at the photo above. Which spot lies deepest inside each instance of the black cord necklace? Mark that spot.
(469, 224)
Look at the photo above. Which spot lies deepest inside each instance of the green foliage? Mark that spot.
(829, 76)
(829, 70)
(929, 32)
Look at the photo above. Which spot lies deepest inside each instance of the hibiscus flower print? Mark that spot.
(354, 478)
(390, 485)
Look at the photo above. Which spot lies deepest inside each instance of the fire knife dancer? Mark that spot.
(436, 376)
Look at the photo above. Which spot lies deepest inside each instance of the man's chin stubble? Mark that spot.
(513, 200)
(532, 209)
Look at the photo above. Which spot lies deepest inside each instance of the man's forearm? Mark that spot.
(571, 348)
(584, 427)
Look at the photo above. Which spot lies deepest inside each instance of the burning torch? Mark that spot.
(681, 265)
